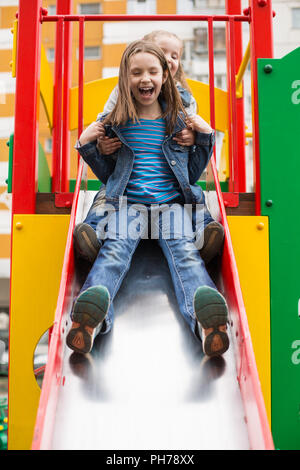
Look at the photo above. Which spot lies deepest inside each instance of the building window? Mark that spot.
(141, 7)
(89, 8)
(296, 18)
(215, 3)
(50, 54)
(92, 52)
(51, 10)
(48, 145)
(219, 40)
(200, 42)
(208, 3)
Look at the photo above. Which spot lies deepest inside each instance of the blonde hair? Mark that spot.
(153, 37)
(125, 107)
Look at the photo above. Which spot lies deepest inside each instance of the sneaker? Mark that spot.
(213, 241)
(86, 243)
(88, 314)
(212, 314)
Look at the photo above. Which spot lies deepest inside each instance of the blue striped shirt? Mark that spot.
(152, 180)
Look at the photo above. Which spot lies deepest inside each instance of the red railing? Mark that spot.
(259, 16)
(237, 177)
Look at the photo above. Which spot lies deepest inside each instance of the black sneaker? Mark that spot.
(86, 243)
(213, 241)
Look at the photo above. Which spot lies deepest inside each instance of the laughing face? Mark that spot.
(146, 78)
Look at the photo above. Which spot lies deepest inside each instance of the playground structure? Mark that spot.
(263, 322)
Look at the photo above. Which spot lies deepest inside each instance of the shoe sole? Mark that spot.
(86, 242)
(213, 241)
(89, 311)
(211, 312)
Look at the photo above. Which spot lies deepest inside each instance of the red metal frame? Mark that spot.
(24, 178)
(58, 108)
(260, 14)
(211, 75)
(237, 182)
(66, 6)
(53, 373)
(260, 436)
(48, 18)
(80, 76)
(25, 174)
(233, 7)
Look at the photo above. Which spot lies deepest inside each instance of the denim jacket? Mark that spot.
(187, 163)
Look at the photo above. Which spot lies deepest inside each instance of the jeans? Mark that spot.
(200, 215)
(172, 227)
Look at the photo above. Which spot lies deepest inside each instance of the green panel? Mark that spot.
(44, 177)
(10, 144)
(279, 135)
(94, 185)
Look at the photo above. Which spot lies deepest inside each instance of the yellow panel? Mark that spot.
(46, 86)
(14, 50)
(224, 159)
(101, 89)
(37, 257)
(96, 94)
(250, 239)
(200, 91)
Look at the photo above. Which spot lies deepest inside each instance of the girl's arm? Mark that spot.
(93, 132)
(201, 152)
(107, 145)
(196, 123)
(101, 165)
(187, 137)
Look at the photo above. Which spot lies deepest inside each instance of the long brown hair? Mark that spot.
(125, 107)
(180, 75)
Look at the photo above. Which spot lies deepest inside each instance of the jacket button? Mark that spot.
(173, 162)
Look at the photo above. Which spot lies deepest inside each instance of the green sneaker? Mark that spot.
(211, 312)
(88, 314)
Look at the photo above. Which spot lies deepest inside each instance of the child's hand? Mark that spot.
(186, 137)
(108, 145)
(93, 132)
(196, 123)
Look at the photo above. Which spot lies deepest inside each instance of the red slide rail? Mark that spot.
(258, 427)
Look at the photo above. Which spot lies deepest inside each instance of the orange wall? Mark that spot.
(114, 7)
(167, 7)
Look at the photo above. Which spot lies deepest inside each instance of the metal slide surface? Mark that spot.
(146, 384)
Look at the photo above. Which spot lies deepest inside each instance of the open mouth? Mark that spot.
(146, 91)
